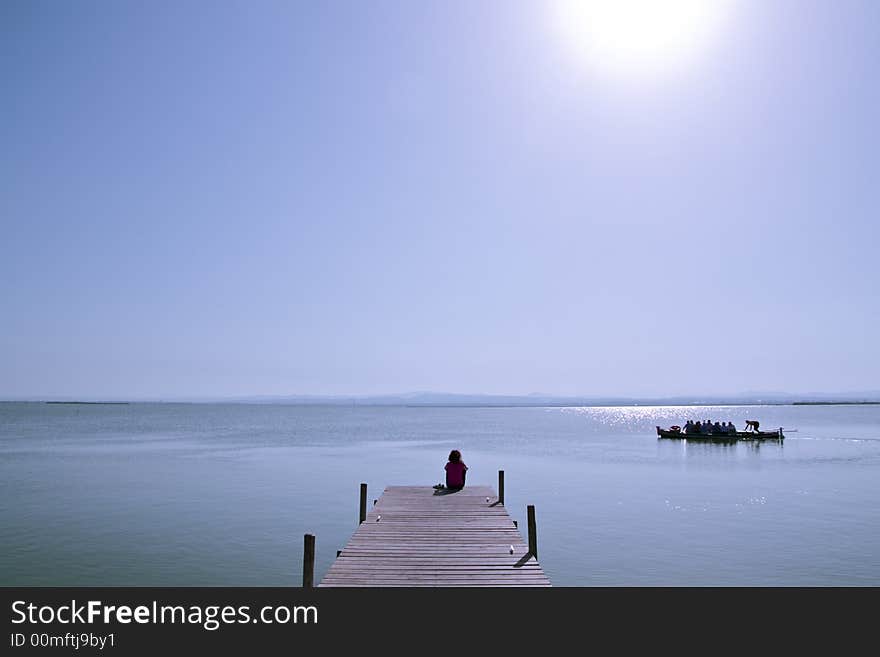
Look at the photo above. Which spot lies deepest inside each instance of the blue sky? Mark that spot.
(211, 199)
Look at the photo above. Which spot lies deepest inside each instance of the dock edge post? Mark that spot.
(308, 561)
(501, 487)
(533, 531)
(363, 514)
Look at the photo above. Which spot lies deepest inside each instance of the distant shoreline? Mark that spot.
(350, 403)
(835, 403)
(91, 403)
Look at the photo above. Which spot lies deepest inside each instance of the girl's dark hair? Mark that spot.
(454, 456)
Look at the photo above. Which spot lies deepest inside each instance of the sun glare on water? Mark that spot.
(639, 35)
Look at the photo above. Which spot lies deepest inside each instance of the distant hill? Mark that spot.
(457, 399)
(534, 399)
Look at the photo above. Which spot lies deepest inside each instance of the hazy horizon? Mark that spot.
(219, 199)
(437, 397)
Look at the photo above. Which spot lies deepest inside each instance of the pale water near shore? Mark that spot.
(180, 494)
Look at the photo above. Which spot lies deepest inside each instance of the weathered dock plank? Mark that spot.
(415, 536)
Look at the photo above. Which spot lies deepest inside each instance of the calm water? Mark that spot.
(178, 494)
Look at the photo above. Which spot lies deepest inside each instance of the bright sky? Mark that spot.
(236, 198)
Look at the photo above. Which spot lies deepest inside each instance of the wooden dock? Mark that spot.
(416, 536)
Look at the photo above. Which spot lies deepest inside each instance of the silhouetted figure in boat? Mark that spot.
(752, 425)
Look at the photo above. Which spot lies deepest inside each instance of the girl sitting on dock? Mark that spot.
(455, 471)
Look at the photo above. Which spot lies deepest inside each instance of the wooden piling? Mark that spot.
(533, 531)
(501, 487)
(363, 514)
(308, 561)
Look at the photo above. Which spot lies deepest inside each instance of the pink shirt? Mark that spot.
(455, 474)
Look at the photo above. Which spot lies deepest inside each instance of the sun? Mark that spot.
(639, 34)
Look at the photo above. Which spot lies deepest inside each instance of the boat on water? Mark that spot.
(676, 433)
